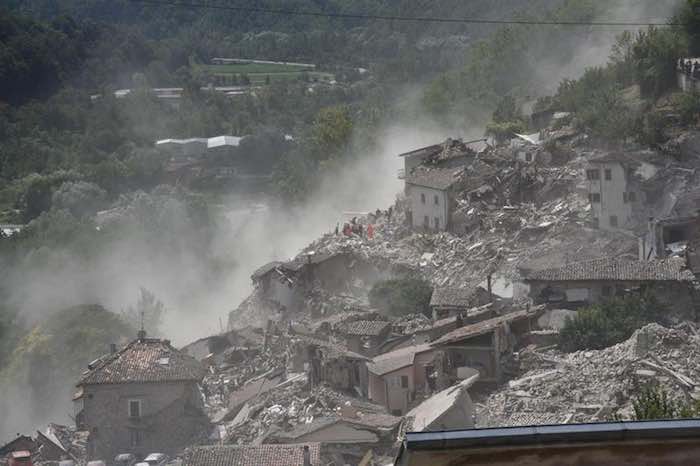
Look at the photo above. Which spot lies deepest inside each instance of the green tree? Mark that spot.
(149, 311)
(401, 296)
(331, 132)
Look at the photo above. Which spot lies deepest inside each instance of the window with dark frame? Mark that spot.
(426, 221)
(437, 222)
(422, 198)
(608, 174)
(436, 200)
(593, 174)
(404, 381)
(594, 197)
(134, 409)
(613, 220)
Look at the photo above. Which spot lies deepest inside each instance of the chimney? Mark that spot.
(141, 335)
(307, 456)
(112, 348)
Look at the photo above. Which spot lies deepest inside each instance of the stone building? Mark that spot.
(141, 399)
(589, 282)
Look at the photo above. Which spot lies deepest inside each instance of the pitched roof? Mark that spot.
(459, 297)
(331, 350)
(143, 360)
(395, 360)
(436, 178)
(421, 417)
(365, 327)
(259, 455)
(614, 269)
(480, 328)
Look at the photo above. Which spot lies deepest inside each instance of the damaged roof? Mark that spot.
(374, 422)
(365, 327)
(614, 269)
(142, 361)
(259, 455)
(435, 178)
(459, 297)
(481, 328)
(395, 360)
(331, 350)
(265, 269)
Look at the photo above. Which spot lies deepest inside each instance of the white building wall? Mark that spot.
(430, 203)
(612, 191)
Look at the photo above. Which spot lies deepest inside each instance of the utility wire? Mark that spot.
(417, 19)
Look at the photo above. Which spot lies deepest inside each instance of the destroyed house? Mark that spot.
(486, 346)
(397, 377)
(360, 428)
(254, 455)
(667, 442)
(451, 408)
(615, 193)
(365, 336)
(329, 363)
(284, 282)
(675, 233)
(452, 301)
(450, 152)
(19, 443)
(590, 282)
(430, 193)
(143, 398)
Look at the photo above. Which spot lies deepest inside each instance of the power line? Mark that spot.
(417, 19)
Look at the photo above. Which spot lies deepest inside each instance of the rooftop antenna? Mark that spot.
(142, 332)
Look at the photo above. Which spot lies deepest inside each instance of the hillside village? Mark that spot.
(512, 237)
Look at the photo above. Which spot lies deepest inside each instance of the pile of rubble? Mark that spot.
(597, 385)
(508, 237)
(288, 406)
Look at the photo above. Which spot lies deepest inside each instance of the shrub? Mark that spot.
(653, 403)
(401, 296)
(607, 324)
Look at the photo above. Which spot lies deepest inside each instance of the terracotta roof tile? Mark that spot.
(259, 455)
(146, 360)
(365, 327)
(615, 270)
(459, 297)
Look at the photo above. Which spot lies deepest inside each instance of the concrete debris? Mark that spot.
(590, 386)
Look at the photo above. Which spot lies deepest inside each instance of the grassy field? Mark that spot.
(258, 72)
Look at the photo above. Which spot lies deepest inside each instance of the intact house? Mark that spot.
(364, 336)
(141, 399)
(452, 301)
(614, 185)
(398, 377)
(486, 346)
(590, 282)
